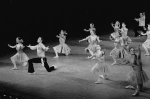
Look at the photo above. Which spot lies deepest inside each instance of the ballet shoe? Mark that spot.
(129, 87)
(56, 57)
(93, 58)
(147, 54)
(89, 57)
(114, 63)
(136, 94)
(102, 76)
(24, 64)
(15, 68)
(98, 82)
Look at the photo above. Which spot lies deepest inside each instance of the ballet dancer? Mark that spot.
(137, 76)
(126, 40)
(101, 66)
(146, 44)
(141, 21)
(62, 47)
(20, 56)
(41, 48)
(116, 26)
(93, 41)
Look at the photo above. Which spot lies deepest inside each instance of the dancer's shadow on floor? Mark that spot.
(117, 84)
(4, 64)
(146, 90)
(123, 84)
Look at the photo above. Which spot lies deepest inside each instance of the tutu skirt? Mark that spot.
(101, 67)
(20, 57)
(91, 47)
(138, 77)
(147, 43)
(62, 48)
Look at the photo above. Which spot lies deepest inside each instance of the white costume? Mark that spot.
(101, 66)
(20, 56)
(147, 42)
(93, 40)
(62, 47)
(40, 49)
(142, 21)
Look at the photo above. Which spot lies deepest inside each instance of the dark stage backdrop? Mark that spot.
(30, 19)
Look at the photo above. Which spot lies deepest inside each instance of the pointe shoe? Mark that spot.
(89, 57)
(93, 58)
(147, 54)
(102, 76)
(129, 87)
(98, 82)
(114, 63)
(136, 93)
(56, 57)
(15, 68)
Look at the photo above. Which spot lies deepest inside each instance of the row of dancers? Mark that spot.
(122, 52)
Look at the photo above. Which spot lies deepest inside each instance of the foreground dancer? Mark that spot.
(62, 47)
(20, 56)
(146, 44)
(137, 75)
(40, 47)
(100, 67)
(93, 41)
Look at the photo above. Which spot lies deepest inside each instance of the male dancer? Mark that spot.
(41, 57)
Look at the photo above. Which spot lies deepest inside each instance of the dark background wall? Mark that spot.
(30, 19)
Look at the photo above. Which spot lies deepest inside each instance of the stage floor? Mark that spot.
(73, 78)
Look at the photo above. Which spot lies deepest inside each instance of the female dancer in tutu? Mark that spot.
(126, 40)
(20, 56)
(137, 75)
(93, 40)
(100, 67)
(146, 44)
(116, 26)
(62, 47)
(115, 37)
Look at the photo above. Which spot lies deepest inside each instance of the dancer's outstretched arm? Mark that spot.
(83, 40)
(12, 46)
(32, 47)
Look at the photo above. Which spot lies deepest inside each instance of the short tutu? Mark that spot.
(101, 67)
(62, 48)
(139, 77)
(147, 43)
(20, 58)
(91, 47)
